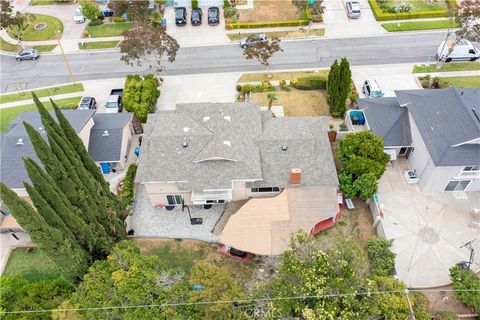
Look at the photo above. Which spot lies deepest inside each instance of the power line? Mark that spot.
(178, 304)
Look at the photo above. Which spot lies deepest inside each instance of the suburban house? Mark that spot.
(438, 131)
(210, 153)
(106, 136)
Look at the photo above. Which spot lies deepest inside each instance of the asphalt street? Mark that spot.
(317, 53)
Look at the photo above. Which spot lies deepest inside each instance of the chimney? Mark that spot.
(295, 177)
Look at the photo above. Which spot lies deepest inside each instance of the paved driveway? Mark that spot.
(64, 12)
(338, 24)
(427, 229)
(202, 35)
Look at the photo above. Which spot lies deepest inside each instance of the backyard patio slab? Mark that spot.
(149, 222)
(428, 229)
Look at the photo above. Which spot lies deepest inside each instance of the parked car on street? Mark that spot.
(353, 8)
(180, 16)
(252, 39)
(213, 16)
(87, 103)
(372, 89)
(114, 101)
(27, 54)
(463, 50)
(78, 17)
(196, 17)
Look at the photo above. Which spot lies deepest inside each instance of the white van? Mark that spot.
(464, 50)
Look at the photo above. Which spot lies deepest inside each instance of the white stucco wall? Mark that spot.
(419, 158)
(126, 139)
(84, 133)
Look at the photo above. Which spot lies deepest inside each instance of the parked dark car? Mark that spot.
(196, 17)
(87, 103)
(213, 16)
(252, 39)
(27, 54)
(180, 16)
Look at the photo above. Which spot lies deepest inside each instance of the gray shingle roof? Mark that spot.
(106, 136)
(12, 171)
(386, 119)
(233, 141)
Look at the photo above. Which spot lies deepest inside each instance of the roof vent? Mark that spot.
(227, 143)
(284, 147)
(40, 129)
(185, 142)
(475, 114)
(228, 118)
(186, 129)
(205, 119)
(105, 133)
(19, 142)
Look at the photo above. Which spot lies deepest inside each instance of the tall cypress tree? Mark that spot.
(67, 255)
(71, 216)
(333, 84)
(345, 86)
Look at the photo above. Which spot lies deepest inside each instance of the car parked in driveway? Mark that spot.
(180, 16)
(371, 89)
(196, 17)
(252, 39)
(213, 16)
(78, 17)
(87, 103)
(353, 9)
(27, 54)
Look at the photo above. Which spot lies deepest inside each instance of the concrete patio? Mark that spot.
(427, 228)
(150, 222)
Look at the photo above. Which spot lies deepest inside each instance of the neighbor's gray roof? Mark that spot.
(106, 146)
(12, 171)
(444, 119)
(386, 119)
(233, 141)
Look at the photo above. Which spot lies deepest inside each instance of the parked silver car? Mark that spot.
(252, 39)
(27, 54)
(353, 8)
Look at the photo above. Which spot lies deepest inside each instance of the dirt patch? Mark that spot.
(444, 300)
(270, 10)
(252, 77)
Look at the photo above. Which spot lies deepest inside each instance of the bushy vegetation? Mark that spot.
(127, 193)
(339, 86)
(467, 280)
(310, 83)
(140, 95)
(382, 259)
(380, 15)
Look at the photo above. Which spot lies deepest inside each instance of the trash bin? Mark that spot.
(105, 167)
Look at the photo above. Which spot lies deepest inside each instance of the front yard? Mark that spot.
(52, 91)
(452, 66)
(32, 265)
(53, 25)
(281, 34)
(417, 5)
(419, 25)
(98, 45)
(251, 77)
(270, 10)
(108, 29)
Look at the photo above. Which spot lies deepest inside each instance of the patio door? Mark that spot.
(457, 185)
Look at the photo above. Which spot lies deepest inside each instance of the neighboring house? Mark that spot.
(438, 131)
(15, 144)
(207, 153)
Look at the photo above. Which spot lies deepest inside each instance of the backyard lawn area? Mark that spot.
(463, 82)
(270, 10)
(281, 34)
(419, 25)
(97, 45)
(296, 102)
(9, 114)
(52, 91)
(53, 26)
(455, 66)
(34, 265)
(109, 29)
(251, 77)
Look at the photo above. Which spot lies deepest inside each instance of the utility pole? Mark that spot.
(57, 35)
(412, 314)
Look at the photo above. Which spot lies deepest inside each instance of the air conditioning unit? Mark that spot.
(411, 176)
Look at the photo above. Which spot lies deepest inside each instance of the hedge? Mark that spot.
(126, 195)
(311, 83)
(140, 95)
(381, 16)
(253, 25)
(382, 259)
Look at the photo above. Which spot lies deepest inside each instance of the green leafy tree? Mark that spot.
(366, 185)
(468, 285)
(218, 285)
(382, 259)
(263, 51)
(140, 95)
(90, 9)
(136, 10)
(18, 294)
(128, 278)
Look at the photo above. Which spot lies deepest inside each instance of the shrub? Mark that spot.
(246, 88)
(293, 82)
(382, 16)
(140, 95)
(311, 83)
(194, 4)
(266, 85)
(468, 285)
(127, 193)
(239, 87)
(403, 7)
(229, 12)
(118, 19)
(283, 84)
(95, 23)
(257, 88)
(85, 34)
(445, 315)
(342, 127)
(382, 259)
(226, 4)
(272, 24)
(101, 16)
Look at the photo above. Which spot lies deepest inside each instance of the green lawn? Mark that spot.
(421, 5)
(46, 47)
(419, 25)
(25, 95)
(97, 45)
(281, 34)
(452, 66)
(9, 114)
(32, 266)
(6, 46)
(48, 33)
(254, 77)
(42, 2)
(464, 82)
(109, 29)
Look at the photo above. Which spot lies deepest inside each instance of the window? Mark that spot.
(472, 168)
(457, 185)
(266, 189)
(469, 172)
(174, 199)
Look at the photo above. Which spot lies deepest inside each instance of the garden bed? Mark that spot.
(34, 265)
(53, 26)
(445, 82)
(109, 29)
